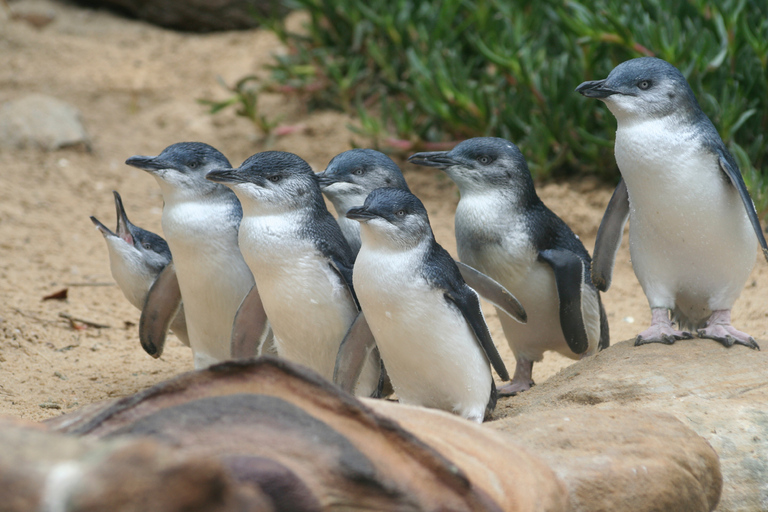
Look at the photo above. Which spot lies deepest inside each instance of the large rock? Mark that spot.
(622, 459)
(197, 15)
(43, 122)
(309, 446)
(721, 393)
(41, 470)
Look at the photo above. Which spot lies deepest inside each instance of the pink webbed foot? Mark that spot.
(661, 330)
(521, 381)
(719, 328)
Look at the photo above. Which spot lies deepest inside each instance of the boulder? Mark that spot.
(196, 15)
(720, 393)
(622, 459)
(43, 122)
(310, 446)
(41, 470)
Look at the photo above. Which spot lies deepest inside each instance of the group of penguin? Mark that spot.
(255, 264)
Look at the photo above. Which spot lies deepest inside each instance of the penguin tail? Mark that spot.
(605, 334)
(491, 402)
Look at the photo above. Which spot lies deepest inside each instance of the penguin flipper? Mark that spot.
(492, 291)
(729, 167)
(160, 308)
(357, 344)
(569, 277)
(609, 237)
(345, 274)
(250, 326)
(466, 299)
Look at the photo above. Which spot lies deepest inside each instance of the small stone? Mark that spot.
(43, 122)
(50, 405)
(60, 375)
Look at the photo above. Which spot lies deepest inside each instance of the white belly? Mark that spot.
(212, 274)
(309, 308)
(690, 239)
(429, 350)
(513, 263)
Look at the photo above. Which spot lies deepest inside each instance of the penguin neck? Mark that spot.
(379, 243)
(513, 197)
(174, 194)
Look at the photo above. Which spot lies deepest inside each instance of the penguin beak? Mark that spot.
(439, 159)
(225, 176)
(151, 164)
(324, 180)
(360, 214)
(595, 89)
(105, 231)
(123, 226)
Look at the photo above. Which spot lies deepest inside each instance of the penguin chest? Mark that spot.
(213, 277)
(429, 350)
(131, 273)
(689, 233)
(308, 305)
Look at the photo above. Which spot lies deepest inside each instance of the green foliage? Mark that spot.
(245, 94)
(441, 70)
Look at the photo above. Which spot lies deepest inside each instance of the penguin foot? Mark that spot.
(719, 328)
(661, 330)
(514, 387)
(521, 381)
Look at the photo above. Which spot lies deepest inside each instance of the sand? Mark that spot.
(137, 87)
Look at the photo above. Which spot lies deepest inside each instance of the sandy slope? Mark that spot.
(137, 86)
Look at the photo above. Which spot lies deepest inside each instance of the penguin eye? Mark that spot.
(644, 84)
(358, 172)
(146, 245)
(192, 165)
(274, 179)
(485, 159)
(400, 213)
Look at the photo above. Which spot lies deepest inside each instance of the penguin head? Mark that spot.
(643, 88)
(392, 218)
(480, 164)
(352, 175)
(183, 166)
(272, 181)
(139, 249)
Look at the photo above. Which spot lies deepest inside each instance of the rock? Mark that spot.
(41, 470)
(515, 477)
(39, 121)
(720, 393)
(197, 15)
(310, 446)
(622, 459)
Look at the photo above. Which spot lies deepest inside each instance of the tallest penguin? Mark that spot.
(693, 228)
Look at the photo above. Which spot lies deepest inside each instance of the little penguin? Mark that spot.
(693, 230)
(504, 230)
(349, 178)
(300, 260)
(427, 322)
(136, 258)
(200, 222)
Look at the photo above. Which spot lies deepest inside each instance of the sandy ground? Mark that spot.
(137, 86)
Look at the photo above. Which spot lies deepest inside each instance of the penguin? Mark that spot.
(349, 178)
(504, 230)
(200, 222)
(693, 231)
(136, 258)
(426, 321)
(300, 260)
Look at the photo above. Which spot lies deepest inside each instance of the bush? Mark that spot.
(437, 71)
